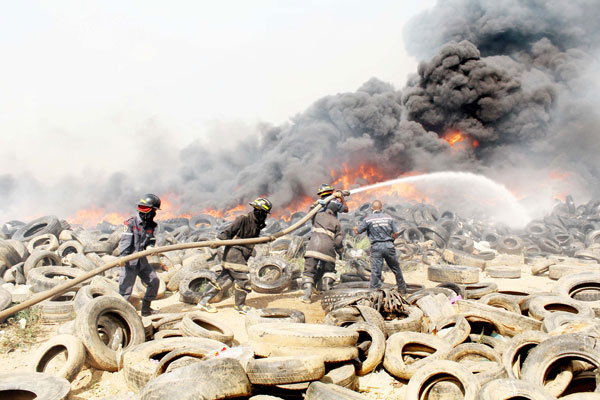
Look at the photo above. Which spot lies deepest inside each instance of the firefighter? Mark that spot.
(138, 234)
(319, 258)
(326, 190)
(235, 258)
(382, 231)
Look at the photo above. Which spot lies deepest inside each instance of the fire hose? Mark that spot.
(156, 250)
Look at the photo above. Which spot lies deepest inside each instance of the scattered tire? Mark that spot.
(454, 330)
(47, 241)
(69, 247)
(558, 319)
(101, 356)
(344, 376)
(46, 278)
(68, 344)
(423, 348)
(329, 391)
(284, 370)
(199, 325)
(478, 290)
(348, 315)
(310, 335)
(15, 385)
(502, 389)
(505, 272)
(40, 258)
(193, 284)
(504, 301)
(58, 308)
(82, 262)
(412, 322)
(332, 297)
(270, 275)
(584, 286)
(370, 355)
(89, 292)
(48, 224)
(542, 306)
(5, 299)
(139, 362)
(453, 273)
(430, 377)
(472, 353)
(273, 315)
(179, 358)
(217, 378)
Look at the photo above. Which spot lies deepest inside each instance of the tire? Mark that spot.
(558, 349)
(556, 320)
(216, 378)
(503, 301)
(471, 351)
(412, 344)
(75, 356)
(9, 254)
(329, 391)
(330, 298)
(344, 376)
(348, 315)
(40, 258)
(169, 321)
(179, 358)
(69, 247)
(197, 324)
(284, 370)
(49, 224)
(453, 273)
(273, 315)
(428, 378)
(42, 279)
(43, 242)
(510, 244)
(454, 330)
(501, 389)
(541, 307)
(168, 333)
(262, 282)
(584, 287)
(58, 308)
(458, 257)
(202, 221)
(89, 292)
(99, 248)
(19, 247)
(329, 354)
(557, 271)
(503, 272)
(517, 350)
(478, 290)
(458, 289)
(506, 323)
(372, 355)
(193, 284)
(100, 356)
(5, 299)
(82, 262)
(449, 293)
(16, 385)
(139, 362)
(309, 335)
(411, 323)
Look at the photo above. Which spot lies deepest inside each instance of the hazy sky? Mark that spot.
(83, 83)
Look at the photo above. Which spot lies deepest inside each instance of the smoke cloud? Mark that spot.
(517, 78)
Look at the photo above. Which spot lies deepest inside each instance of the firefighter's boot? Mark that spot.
(327, 283)
(210, 291)
(239, 300)
(308, 287)
(146, 310)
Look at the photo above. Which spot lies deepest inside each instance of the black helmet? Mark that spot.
(148, 202)
(262, 204)
(325, 190)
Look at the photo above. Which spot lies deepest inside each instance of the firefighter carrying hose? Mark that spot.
(137, 235)
(325, 241)
(326, 190)
(235, 258)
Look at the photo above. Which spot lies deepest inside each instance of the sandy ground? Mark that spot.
(98, 384)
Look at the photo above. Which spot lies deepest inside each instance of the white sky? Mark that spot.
(81, 81)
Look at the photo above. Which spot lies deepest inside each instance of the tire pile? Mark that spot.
(456, 336)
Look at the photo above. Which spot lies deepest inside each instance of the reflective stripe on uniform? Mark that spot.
(319, 255)
(324, 231)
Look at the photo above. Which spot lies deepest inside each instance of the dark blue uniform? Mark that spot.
(136, 238)
(380, 228)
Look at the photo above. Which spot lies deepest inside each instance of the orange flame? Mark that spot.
(459, 139)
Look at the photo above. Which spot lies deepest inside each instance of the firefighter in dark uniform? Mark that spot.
(235, 258)
(319, 258)
(382, 231)
(326, 190)
(137, 236)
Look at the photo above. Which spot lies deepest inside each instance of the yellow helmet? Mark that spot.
(262, 204)
(325, 190)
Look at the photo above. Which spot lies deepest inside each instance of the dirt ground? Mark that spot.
(378, 385)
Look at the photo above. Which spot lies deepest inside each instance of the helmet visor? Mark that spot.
(144, 209)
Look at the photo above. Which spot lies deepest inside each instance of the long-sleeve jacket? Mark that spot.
(136, 237)
(326, 237)
(379, 226)
(243, 227)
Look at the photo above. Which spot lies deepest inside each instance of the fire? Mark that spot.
(364, 174)
(458, 139)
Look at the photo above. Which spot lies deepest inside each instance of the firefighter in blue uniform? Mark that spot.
(138, 234)
(382, 231)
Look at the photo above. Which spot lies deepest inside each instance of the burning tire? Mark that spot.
(49, 224)
(74, 353)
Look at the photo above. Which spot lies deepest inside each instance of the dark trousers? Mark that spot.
(146, 274)
(314, 269)
(384, 251)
